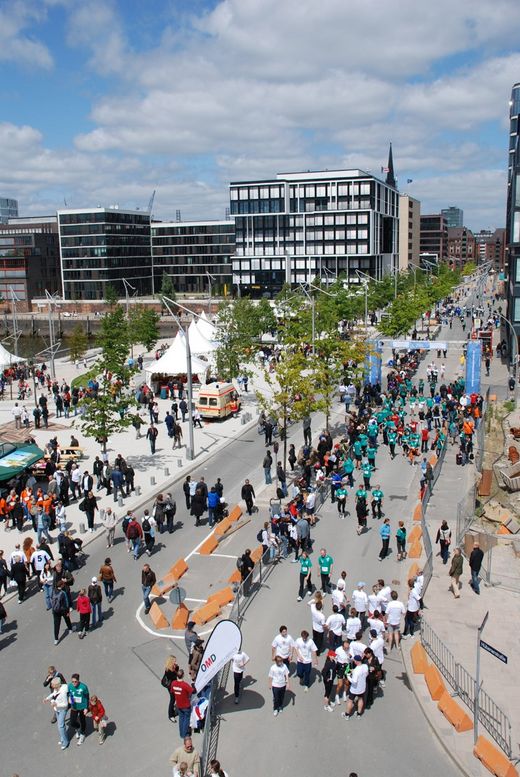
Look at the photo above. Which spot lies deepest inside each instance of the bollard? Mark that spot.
(82, 529)
(152, 481)
(166, 472)
(120, 501)
(138, 491)
(243, 421)
(179, 463)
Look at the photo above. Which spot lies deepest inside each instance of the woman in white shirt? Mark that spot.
(59, 700)
(240, 659)
(318, 625)
(46, 579)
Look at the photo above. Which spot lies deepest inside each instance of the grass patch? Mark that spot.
(509, 405)
(82, 380)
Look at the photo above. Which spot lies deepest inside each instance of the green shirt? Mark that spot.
(348, 466)
(371, 452)
(367, 470)
(79, 696)
(325, 563)
(377, 494)
(305, 566)
(363, 439)
(392, 438)
(357, 448)
(361, 493)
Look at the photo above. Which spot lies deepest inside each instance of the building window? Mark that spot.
(516, 310)
(517, 271)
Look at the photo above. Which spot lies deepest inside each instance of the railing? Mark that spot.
(428, 549)
(490, 715)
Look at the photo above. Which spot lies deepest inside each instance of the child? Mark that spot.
(99, 719)
(181, 770)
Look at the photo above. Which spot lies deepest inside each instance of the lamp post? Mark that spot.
(14, 300)
(127, 286)
(360, 273)
(211, 279)
(51, 299)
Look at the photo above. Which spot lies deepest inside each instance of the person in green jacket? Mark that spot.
(79, 698)
(348, 469)
(457, 563)
(377, 502)
(400, 537)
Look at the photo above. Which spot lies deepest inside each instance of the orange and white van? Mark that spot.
(218, 400)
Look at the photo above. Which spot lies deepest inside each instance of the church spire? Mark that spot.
(390, 177)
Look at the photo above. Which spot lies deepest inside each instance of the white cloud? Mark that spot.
(16, 45)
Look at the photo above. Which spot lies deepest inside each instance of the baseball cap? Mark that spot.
(373, 632)
(331, 654)
(361, 585)
(357, 658)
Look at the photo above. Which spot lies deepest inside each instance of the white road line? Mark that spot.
(191, 599)
(219, 555)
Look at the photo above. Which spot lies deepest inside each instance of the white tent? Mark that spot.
(205, 327)
(199, 344)
(8, 359)
(174, 361)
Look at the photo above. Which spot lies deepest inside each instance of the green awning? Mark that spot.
(15, 458)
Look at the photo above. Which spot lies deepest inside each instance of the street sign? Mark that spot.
(493, 651)
(177, 595)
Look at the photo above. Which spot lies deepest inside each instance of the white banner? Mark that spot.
(223, 642)
(416, 345)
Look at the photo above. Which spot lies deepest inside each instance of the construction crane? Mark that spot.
(150, 204)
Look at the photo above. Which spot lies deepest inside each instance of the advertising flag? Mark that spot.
(223, 642)
(473, 364)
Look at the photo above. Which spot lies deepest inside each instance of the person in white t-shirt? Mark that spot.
(279, 683)
(357, 690)
(377, 623)
(38, 560)
(377, 645)
(360, 602)
(357, 648)
(335, 624)
(240, 659)
(318, 625)
(353, 625)
(412, 611)
(373, 601)
(339, 597)
(342, 661)
(283, 646)
(383, 595)
(418, 587)
(394, 612)
(306, 656)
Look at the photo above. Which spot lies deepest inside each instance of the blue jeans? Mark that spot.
(60, 717)
(267, 475)
(146, 598)
(109, 588)
(304, 672)
(211, 516)
(45, 531)
(2, 621)
(136, 547)
(184, 721)
(97, 615)
(47, 592)
(475, 582)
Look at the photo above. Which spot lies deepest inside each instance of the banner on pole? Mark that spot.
(374, 362)
(473, 364)
(419, 345)
(223, 642)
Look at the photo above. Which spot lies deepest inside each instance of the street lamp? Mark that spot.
(313, 307)
(127, 286)
(360, 273)
(211, 279)
(53, 347)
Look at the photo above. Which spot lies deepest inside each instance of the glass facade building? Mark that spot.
(101, 246)
(29, 259)
(434, 236)
(513, 215)
(8, 209)
(299, 226)
(191, 252)
(454, 216)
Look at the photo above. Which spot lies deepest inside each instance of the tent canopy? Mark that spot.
(199, 344)
(174, 361)
(205, 327)
(8, 359)
(16, 458)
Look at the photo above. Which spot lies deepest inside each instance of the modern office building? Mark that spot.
(434, 236)
(513, 218)
(197, 255)
(29, 259)
(299, 226)
(491, 247)
(454, 216)
(8, 209)
(462, 246)
(409, 231)
(101, 246)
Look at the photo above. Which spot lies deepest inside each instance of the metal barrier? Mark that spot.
(427, 542)
(490, 715)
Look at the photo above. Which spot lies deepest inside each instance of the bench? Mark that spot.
(484, 487)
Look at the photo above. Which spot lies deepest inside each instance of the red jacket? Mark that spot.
(182, 692)
(83, 605)
(96, 710)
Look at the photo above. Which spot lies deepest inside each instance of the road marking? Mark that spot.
(158, 633)
(191, 599)
(218, 555)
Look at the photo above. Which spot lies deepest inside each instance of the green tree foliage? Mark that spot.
(329, 365)
(241, 323)
(109, 411)
(143, 326)
(167, 287)
(78, 343)
(111, 295)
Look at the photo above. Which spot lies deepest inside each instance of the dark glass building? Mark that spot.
(513, 218)
(195, 254)
(434, 236)
(299, 226)
(100, 247)
(8, 209)
(454, 216)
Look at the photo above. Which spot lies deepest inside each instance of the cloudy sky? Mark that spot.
(103, 101)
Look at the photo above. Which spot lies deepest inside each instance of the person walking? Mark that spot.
(357, 689)
(134, 535)
(96, 711)
(412, 611)
(305, 575)
(171, 669)
(183, 693)
(267, 464)
(90, 507)
(198, 505)
(246, 567)
(186, 754)
(306, 657)
(278, 683)
(96, 598)
(108, 578)
(79, 701)
(109, 521)
(384, 531)
(148, 580)
(248, 495)
(328, 675)
(325, 562)
(239, 660)
(400, 537)
(186, 487)
(444, 540)
(151, 436)
(59, 701)
(377, 502)
(307, 431)
(476, 558)
(456, 567)
(394, 612)
(84, 609)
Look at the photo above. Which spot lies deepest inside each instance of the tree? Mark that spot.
(111, 295)
(106, 411)
(329, 366)
(240, 326)
(78, 343)
(167, 287)
(143, 327)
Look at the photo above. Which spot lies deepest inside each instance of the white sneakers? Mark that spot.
(328, 708)
(275, 713)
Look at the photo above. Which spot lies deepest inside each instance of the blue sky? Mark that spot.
(103, 102)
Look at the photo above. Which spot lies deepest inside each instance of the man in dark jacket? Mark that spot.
(19, 575)
(117, 482)
(475, 562)
(183, 407)
(186, 489)
(148, 581)
(245, 570)
(248, 494)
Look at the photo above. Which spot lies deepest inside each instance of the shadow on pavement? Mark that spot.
(249, 700)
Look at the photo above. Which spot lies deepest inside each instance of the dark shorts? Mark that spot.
(355, 696)
(340, 671)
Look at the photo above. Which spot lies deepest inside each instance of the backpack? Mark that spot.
(146, 525)
(259, 536)
(240, 563)
(58, 605)
(125, 523)
(133, 532)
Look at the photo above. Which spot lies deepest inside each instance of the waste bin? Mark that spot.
(164, 392)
